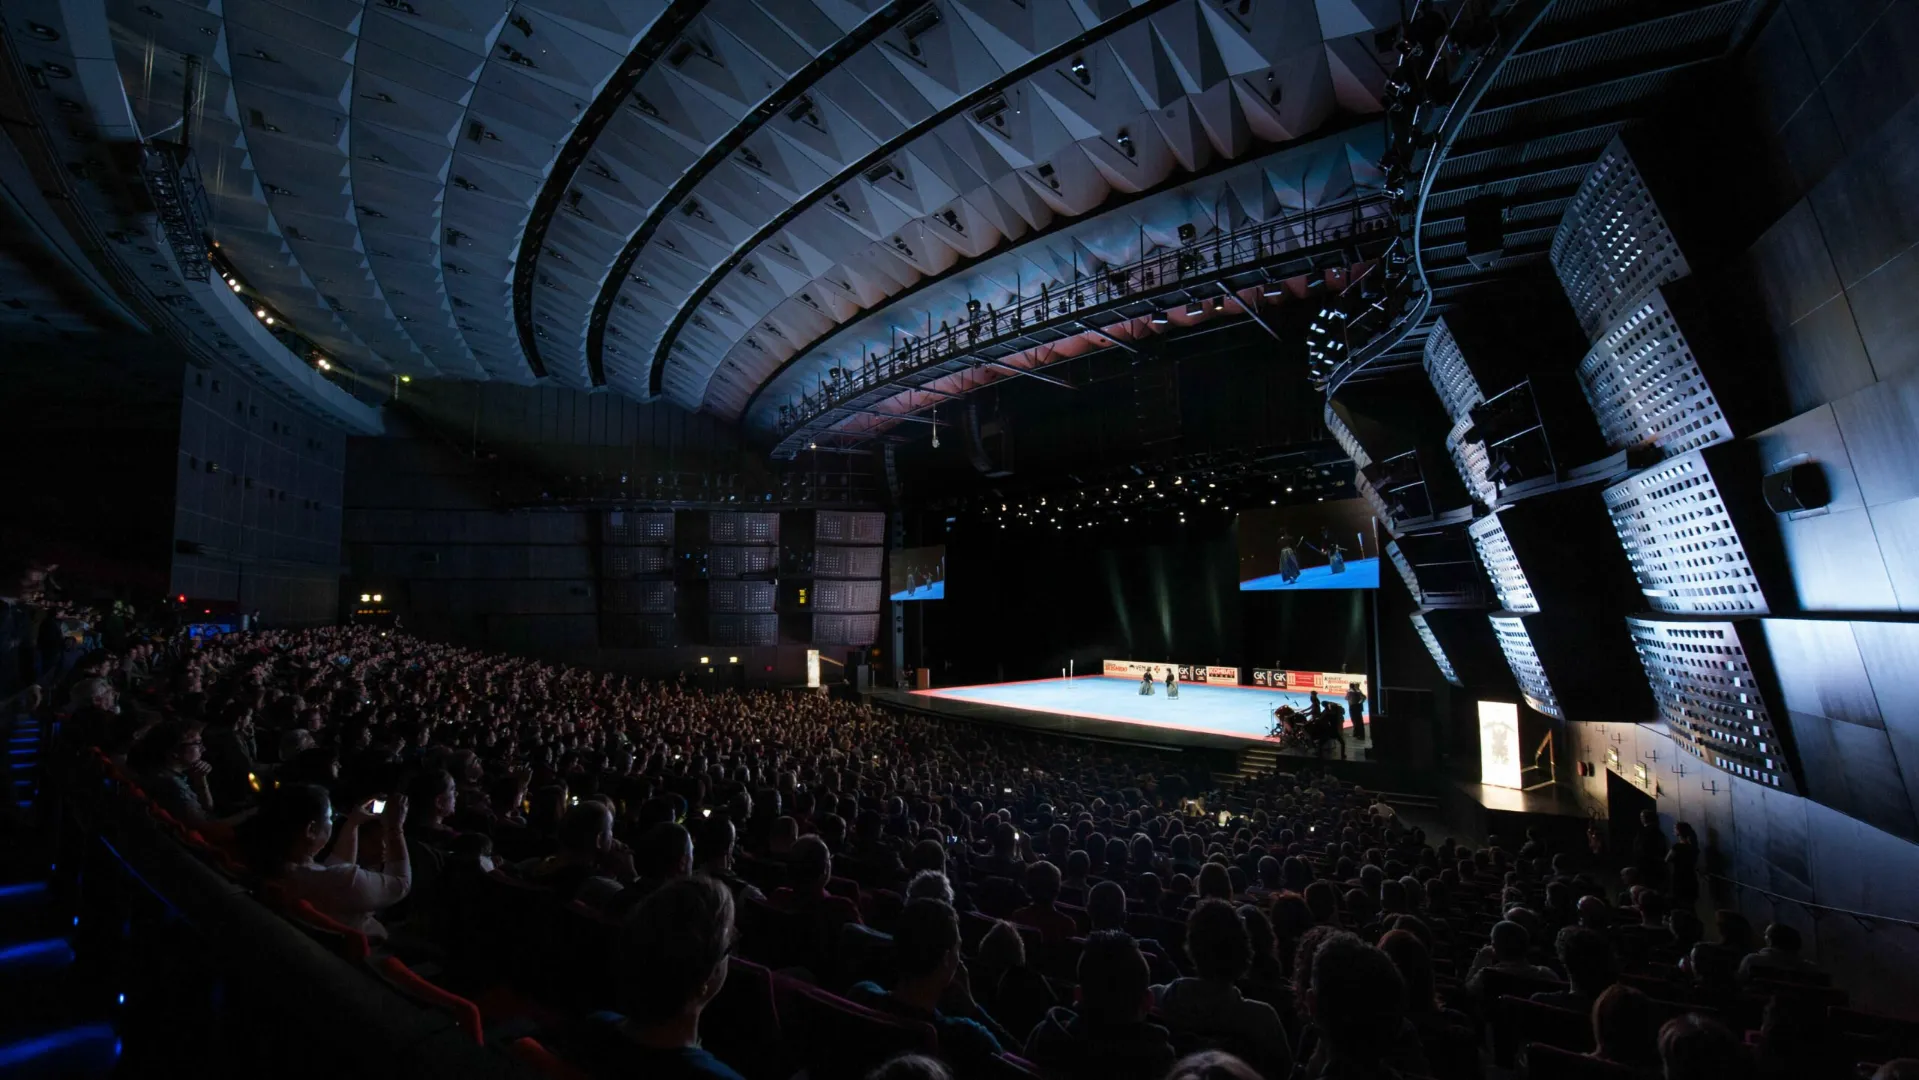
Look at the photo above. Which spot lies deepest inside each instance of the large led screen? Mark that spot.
(917, 573)
(1320, 545)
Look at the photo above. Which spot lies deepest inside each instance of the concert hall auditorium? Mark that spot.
(959, 539)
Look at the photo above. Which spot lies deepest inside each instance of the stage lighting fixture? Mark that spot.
(1197, 307)
(972, 306)
(732, 659)
(1160, 319)
(705, 659)
(406, 378)
(1187, 232)
(324, 366)
(366, 598)
(1289, 491)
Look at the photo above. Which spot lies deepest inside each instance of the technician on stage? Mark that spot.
(1172, 683)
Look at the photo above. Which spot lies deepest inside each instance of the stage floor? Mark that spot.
(1239, 712)
(1359, 574)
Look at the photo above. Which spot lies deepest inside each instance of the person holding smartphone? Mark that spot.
(295, 824)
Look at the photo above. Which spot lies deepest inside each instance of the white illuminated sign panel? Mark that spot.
(1499, 744)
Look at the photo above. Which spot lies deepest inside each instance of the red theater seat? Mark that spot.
(832, 1036)
(465, 1014)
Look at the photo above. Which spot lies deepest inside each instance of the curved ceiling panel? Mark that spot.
(371, 167)
(1323, 176)
(725, 73)
(971, 125)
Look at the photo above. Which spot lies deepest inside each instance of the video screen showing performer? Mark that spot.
(917, 573)
(1320, 545)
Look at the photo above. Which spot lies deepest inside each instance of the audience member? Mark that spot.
(1106, 1035)
(1210, 1003)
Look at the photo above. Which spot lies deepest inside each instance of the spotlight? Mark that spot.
(377, 598)
(406, 378)
(324, 366)
(1187, 232)
(259, 313)
(366, 598)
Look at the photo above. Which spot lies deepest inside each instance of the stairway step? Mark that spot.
(88, 1050)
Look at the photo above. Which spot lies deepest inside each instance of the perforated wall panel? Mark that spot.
(1703, 681)
(726, 527)
(1452, 379)
(732, 562)
(1343, 435)
(1681, 542)
(1371, 495)
(627, 527)
(1438, 654)
(847, 562)
(849, 527)
(627, 562)
(743, 629)
(846, 596)
(639, 631)
(1646, 387)
(1523, 659)
(1473, 464)
(754, 596)
(846, 629)
(639, 597)
(1614, 247)
(1502, 566)
(1405, 568)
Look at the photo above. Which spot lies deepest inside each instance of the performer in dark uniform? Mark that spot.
(1146, 684)
(1356, 708)
(1172, 683)
(1288, 560)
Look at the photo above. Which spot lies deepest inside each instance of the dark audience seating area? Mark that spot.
(506, 853)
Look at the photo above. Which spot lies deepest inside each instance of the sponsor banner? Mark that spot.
(1211, 675)
(1302, 682)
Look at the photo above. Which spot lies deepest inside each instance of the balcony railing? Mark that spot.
(984, 326)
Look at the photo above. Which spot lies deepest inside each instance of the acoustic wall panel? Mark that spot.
(1473, 463)
(1446, 366)
(748, 630)
(1405, 568)
(741, 596)
(628, 527)
(830, 595)
(639, 631)
(632, 562)
(848, 562)
(1523, 658)
(849, 527)
(1344, 436)
(1646, 387)
(727, 527)
(1681, 541)
(732, 562)
(1614, 246)
(1433, 647)
(1502, 565)
(845, 629)
(1702, 679)
(639, 597)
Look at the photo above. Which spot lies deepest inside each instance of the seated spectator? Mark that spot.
(1042, 890)
(672, 963)
(1447, 1035)
(1587, 958)
(1623, 1029)
(1780, 953)
(1265, 972)
(1212, 1065)
(1210, 1003)
(588, 863)
(911, 1067)
(295, 824)
(167, 761)
(1898, 1069)
(1357, 1002)
(714, 842)
(1107, 1035)
(662, 853)
(1692, 1047)
(926, 957)
(433, 797)
(809, 867)
(1713, 972)
(1506, 953)
(1005, 985)
(931, 885)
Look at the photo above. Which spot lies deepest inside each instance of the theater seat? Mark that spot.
(1545, 1062)
(1516, 1021)
(465, 1014)
(833, 1037)
(741, 1025)
(342, 940)
(528, 1051)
